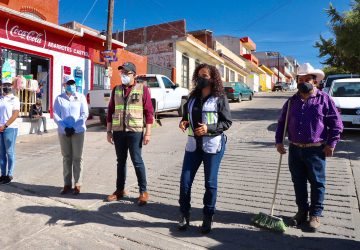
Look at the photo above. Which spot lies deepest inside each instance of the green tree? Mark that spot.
(342, 52)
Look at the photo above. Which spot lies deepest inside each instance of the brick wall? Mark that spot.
(47, 10)
(154, 33)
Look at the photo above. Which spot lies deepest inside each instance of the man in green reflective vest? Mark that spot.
(129, 111)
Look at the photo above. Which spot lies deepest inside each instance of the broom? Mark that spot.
(270, 221)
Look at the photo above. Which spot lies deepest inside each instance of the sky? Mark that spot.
(290, 27)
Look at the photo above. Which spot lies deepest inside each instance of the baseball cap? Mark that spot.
(128, 66)
(69, 80)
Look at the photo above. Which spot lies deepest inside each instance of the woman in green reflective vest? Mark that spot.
(206, 117)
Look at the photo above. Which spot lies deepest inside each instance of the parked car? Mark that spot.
(281, 86)
(238, 91)
(346, 95)
(165, 96)
(326, 84)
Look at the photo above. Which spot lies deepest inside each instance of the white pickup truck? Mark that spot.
(165, 96)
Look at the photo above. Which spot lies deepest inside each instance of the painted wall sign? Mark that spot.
(19, 32)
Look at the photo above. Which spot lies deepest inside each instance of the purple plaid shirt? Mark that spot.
(311, 121)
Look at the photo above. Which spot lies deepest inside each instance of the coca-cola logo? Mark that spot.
(31, 36)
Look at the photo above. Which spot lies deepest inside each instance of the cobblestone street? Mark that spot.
(42, 218)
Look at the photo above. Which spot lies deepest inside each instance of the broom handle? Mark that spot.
(280, 159)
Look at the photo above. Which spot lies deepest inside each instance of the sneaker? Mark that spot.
(206, 225)
(143, 198)
(2, 178)
(117, 195)
(299, 218)
(184, 222)
(45, 131)
(314, 223)
(7, 179)
(39, 133)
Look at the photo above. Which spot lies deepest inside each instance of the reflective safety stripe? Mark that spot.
(119, 92)
(135, 107)
(119, 107)
(211, 143)
(130, 107)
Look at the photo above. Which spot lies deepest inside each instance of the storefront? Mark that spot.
(36, 56)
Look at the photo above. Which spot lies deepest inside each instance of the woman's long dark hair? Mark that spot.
(217, 88)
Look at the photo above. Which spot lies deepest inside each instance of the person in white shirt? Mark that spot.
(70, 114)
(9, 111)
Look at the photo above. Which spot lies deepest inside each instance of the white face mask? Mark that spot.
(125, 79)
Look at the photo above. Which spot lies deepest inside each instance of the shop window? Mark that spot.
(99, 73)
(30, 75)
(185, 72)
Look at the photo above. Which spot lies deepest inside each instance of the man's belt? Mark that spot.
(307, 145)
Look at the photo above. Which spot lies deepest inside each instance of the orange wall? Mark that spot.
(48, 11)
(127, 56)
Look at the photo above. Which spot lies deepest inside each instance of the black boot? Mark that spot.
(300, 217)
(206, 225)
(184, 222)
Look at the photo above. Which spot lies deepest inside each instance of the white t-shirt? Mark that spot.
(8, 104)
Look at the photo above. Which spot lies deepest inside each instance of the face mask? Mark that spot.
(6, 90)
(70, 88)
(202, 82)
(125, 79)
(305, 87)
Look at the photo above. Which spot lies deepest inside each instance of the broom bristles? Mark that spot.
(269, 222)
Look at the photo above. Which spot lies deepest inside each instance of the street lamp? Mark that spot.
(272, 53)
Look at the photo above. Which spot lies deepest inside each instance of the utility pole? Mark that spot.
(108, 41)
(123, 38)
(278, 54)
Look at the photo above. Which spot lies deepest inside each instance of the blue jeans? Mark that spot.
(191, 164)
(7, 151)
(132, 142)
(308, 164)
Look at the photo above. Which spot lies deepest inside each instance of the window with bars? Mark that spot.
(232, 76)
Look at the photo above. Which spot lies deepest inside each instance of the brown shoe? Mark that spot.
(117, 195)
(314, 223)
(76, 190)
(66, 189)
(143, 198)
(299, 218)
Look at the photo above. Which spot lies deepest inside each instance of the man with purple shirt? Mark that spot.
(314, 128)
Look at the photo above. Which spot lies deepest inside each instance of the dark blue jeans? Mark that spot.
(132, 142)
(191, 164)
(308, 164)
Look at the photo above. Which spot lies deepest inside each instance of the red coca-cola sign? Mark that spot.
(21, 33)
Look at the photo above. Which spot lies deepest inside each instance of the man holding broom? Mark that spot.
(314, 128)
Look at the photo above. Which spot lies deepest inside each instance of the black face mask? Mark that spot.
(6, 90)
(202, 82)
(305, 87)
